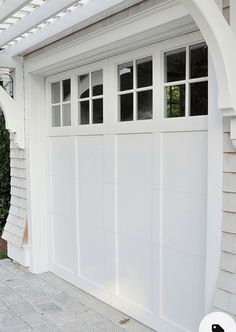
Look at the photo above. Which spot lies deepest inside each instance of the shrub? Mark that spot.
(4, 173)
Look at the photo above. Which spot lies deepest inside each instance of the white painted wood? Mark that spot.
(49, 9)
(132, 215)
(10, 7)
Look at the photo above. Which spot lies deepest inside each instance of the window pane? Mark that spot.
(83, 82)
(84, 112)
(56, 116)
(56, 98)
(125, 72)
(199, 61)
(66, 115)
(199, 98)
(66, 90)
(175, 101)
(98, 111)
(175, 65)
(97, 83)
(126, 107)
(145, 105)
(144, 72)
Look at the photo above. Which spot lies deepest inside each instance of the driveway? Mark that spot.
(46, 303)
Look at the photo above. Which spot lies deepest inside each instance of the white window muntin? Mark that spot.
(187, 81)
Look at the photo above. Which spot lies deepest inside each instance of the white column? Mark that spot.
(36, 167)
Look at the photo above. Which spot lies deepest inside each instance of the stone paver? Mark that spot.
(46, 303)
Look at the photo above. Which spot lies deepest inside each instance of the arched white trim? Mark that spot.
(14, 117)
(222, 46)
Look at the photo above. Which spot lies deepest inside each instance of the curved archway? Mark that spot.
(221, 42)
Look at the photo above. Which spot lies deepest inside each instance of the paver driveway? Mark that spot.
(47, 303)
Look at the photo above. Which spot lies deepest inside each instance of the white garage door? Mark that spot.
(128, 182)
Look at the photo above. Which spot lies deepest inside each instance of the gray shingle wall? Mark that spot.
(14, 231)
(225, 299)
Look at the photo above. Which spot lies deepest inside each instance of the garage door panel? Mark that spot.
(93, 245)
(64, 243)
(134, 159)
(62, 161)
(134, 211)
(182, 288)
(185, 161)
(109, 206)
(90, 202)
(135, 271)
(184, 220)
(90, 157)
(63, 197)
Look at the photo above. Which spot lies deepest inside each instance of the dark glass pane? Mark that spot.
(83, 82)
(144, 72)
(199, 61)
(126, 107)
(97, 83)
(66, 90)
(56, 98)
(145, 105)
(176, 65)
(98, 111)
(125, 72)
(84, 112)
(56, 116)
(175, 101)
(199, 98)
(66, 115)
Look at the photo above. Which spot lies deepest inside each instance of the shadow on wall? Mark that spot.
(4, 172)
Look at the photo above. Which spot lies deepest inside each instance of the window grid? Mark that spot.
(90, 98)
(60, 104)
(135, 89)
(187, 82)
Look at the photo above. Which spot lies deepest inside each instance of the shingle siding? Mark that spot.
(14, 231)
(225, 298)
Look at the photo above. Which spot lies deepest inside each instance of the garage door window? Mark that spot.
(61, 103)
(186, 81)
(90, 94)
(135, 85)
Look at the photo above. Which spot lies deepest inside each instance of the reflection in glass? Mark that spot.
(56, 116)
(66, 90)
(198, 61)
(84, 112)
(97, 83)
(66, 115)
(98, 111)
(175, 101)
(125, 72)
(126, 107)
(145, 105)
(199, 98)
(83, 83)
(56, 98)
(144, 72)
(175, 63)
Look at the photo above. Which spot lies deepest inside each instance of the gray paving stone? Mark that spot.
(36, 319)
(14, 324)
(46, 303)
(49, 308)
(22, 308)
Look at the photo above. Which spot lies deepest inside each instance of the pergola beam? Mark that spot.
(68, 24)
(10, 7)
(32, 20)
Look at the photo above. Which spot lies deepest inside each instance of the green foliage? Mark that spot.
(4, 173)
